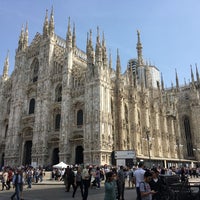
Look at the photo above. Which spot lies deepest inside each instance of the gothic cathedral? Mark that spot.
(64, 104)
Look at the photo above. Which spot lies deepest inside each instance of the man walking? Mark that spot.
(121, 183)
(18, 184)
(86, 181)
(139, 177)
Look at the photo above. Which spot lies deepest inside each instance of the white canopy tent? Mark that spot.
(60, 165)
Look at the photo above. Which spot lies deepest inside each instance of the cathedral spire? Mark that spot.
(51, 23)
(197, 74)
(90, 39)
(177, 81)
(89, 50)
(21, 39)
(172, 86)
(103, 41)
(104, 52)
(162, 82)
(89, 42)
(110, 60)
(26, 36)
(74, 36)
(98, 36)
(98, 50)
(192, 75)
(6, 66)
(46, 26)
(69, 34)
(130, 73)
(118, 65)
(87, 46)
(139, 50)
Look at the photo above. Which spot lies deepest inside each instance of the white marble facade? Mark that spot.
(63, 104)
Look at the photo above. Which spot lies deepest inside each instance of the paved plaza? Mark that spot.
(50, 190)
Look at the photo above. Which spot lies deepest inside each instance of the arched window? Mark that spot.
(8, 107)
(126, 114)
(112, 109)
(80, 118)
(35, 70)
(58, 93)
(32, 106)
(188, 136)
(139, 120)
(6, 131)
(57, 122)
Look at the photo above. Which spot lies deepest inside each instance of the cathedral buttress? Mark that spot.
(118, 106)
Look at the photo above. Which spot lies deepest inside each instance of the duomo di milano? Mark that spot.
(64, 104)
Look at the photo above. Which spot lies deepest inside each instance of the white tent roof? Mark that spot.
(60, 165)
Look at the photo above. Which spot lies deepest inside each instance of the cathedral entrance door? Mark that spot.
(79, 155)
(55, 156)
(27, 153)
(2, 160)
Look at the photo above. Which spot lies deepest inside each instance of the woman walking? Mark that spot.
(110, 193)
(78, 182)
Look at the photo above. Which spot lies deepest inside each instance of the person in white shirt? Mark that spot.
(139, 177)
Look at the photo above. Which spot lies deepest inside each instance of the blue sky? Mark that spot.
(170, 30)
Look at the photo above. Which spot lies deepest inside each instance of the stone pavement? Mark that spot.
(50, 190)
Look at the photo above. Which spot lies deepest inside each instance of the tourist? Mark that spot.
(29, 176)
(131, 178)
(78, 182)
(86, 181)
(70, 179)
(97, 177)
(121, 182)
(156, 184)
(4, 179)
(110, 187)
(10, 176)
(139, 177)
(18, 184)
(145, 189)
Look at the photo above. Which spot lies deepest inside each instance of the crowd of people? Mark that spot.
(146, 181)
(18, 177)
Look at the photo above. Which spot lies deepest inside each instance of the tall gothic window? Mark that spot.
(6, 131)
(112, 110)
(126, 114)
(58, 93)
(188, 136)
(57, 122)
(35, 70)
(32, 106)
(8, 107)
(139, 122)
(80, 117)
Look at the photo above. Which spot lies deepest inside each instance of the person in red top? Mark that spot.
(10, 177)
